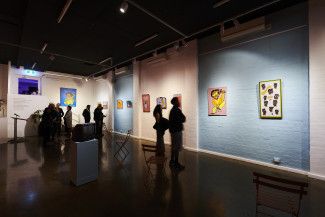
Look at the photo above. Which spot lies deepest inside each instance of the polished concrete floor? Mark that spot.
(35, 181)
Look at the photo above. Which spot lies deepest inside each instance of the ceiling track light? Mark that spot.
(105, 60)
(33, 66)
(43, 48)
(64, 10)
(222, 28)
(220, 3)
(236, 22)
(146, 40)
(124, 7)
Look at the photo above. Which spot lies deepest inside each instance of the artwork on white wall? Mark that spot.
(162, 102)
(179, 96)
(3, 108)
(68, 96)
(146, 102)
(217, 101)
(105, 104)
(270, 99)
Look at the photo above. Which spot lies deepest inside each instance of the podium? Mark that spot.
(16, 139)
(84, 162)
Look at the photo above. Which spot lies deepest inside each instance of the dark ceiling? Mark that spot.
(93, 30)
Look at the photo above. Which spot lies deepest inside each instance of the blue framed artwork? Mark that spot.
(68, 96)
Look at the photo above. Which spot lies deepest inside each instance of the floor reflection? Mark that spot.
(35, 181)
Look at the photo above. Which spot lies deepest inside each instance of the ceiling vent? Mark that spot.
(240, 30)
(157, 59)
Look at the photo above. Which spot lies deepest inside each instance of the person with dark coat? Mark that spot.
(47, 123)
(176, 120)
(68, 121)
(98, 118)
(58, 120)
(160, 126)
(86, 114)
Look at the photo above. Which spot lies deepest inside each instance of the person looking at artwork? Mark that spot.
(47, 123)
(58, 120)
(68, 121)
(176, 120)
(99, 117)
(86, 114)
(160, 126)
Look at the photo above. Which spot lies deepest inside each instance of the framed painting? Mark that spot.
(162, 101)
(68, 96)
(270, 99)
(146, 102)
(119, 104)
(217, 101)
(179, 96)
(105, 104)
(129, 104)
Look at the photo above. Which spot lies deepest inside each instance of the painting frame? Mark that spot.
(262, 100)
(65, 99)
(119, 104)
(179, 97)
(162, 101)
(146, 102)
(217, 106)
(129, 104)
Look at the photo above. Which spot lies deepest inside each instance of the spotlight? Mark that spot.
(222, 29)
(86, 79)
(124, 7)
(236, 22)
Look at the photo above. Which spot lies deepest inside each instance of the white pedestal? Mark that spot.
(84, 162)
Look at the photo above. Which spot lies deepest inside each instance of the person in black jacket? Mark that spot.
(98, 117)
(160, 126)
(176, 120)
(86, 114)
(58, 121)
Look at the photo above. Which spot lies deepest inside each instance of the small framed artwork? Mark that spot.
(179, 96)
(270, 99)
(129, 104)
(119, 104)
(217, 101)
(146, 102)
(162, 101)
(105, 104)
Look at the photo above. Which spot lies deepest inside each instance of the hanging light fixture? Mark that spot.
(124, 7)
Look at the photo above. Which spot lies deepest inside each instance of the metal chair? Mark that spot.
(279, 194)
(122, 151)
(155, 166)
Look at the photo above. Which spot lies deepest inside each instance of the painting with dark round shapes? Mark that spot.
(270, 99)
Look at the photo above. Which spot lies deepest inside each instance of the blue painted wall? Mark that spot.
(240, 68)
(123, 118)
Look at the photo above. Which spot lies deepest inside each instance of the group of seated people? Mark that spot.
(51, 123)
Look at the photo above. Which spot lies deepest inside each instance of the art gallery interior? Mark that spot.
(249, 78)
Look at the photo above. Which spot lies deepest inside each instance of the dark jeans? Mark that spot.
(99, 128)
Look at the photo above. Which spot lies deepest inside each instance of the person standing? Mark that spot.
(68, 121)
(86, 114)
(176, 120)
(47, 123)
(160, 126)
(59, 117)
(99, 117)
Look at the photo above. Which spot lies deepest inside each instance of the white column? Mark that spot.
(136, 99)
(317, 84)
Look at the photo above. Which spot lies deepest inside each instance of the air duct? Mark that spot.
(243, 29)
